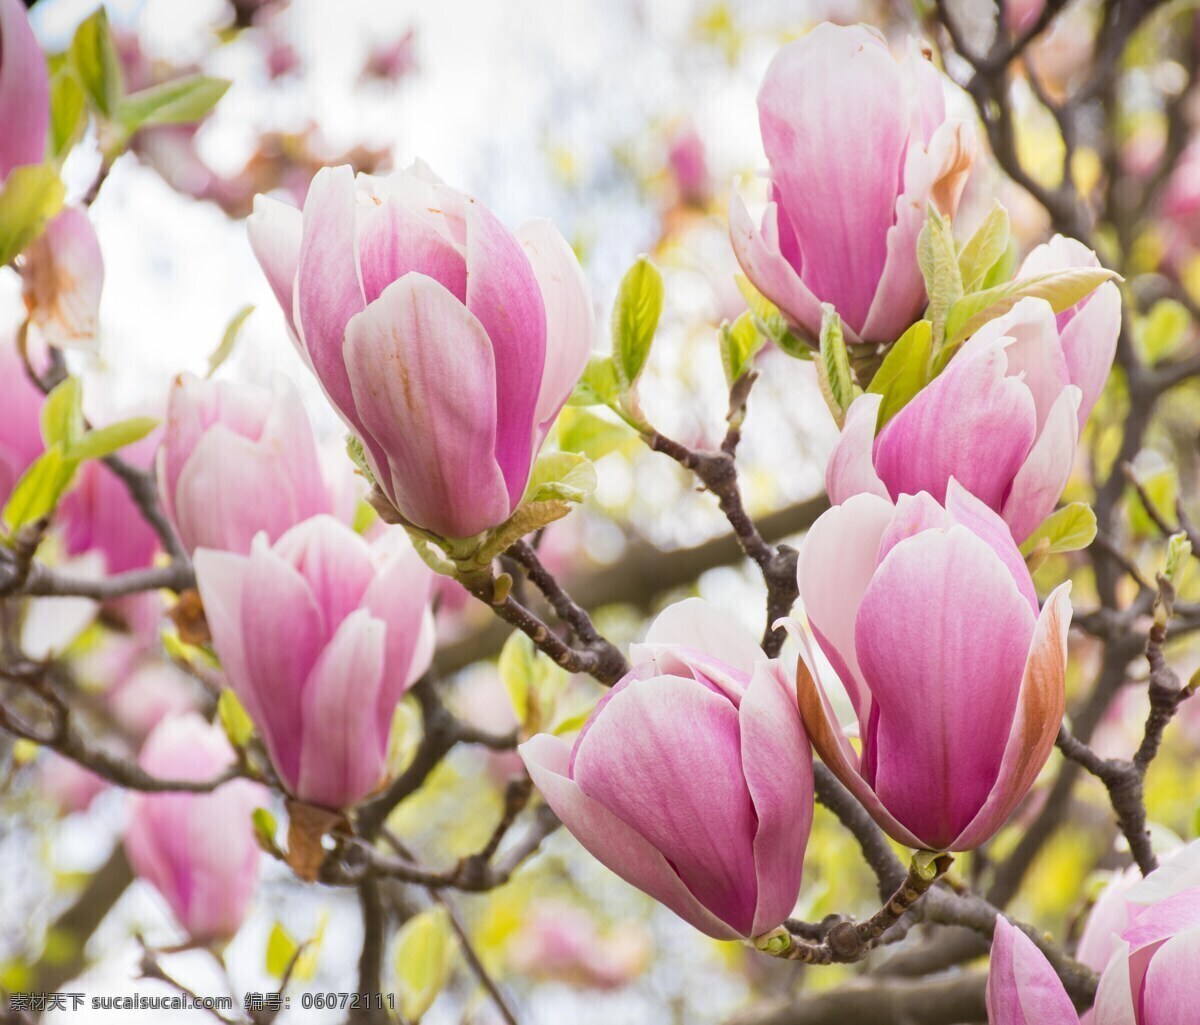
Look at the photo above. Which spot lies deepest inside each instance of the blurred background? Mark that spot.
(626, 123)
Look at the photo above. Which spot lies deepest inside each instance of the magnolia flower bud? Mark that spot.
(24, 91)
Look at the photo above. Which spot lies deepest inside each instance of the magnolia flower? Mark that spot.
(236, 459)
(20, 426)
(63, 275)
(446, 342)
(320, 635)
(197, 849)
(929, 618)
(859, 145)
(1003, 418)
(692, 778)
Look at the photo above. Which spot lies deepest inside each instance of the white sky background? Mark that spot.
(500, 83)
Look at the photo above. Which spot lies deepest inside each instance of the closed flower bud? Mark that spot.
(24, 91)
(236, 459)
(858, 146)
(446, 342)
(692, 779)
(929, 618)
(320, 635)
(197, 849)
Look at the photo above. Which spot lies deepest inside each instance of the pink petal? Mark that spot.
(283, 632)
(946, 690)
(344, 749)
(972, 423)
(1114, 998)
(966, 509)
(1035, 722)
(570, 319)
(221, 578)
(1043, 477)
(777, 763)
(1089, 342)
(850, 470)
(425, 387)
(1170, 989)
(503, 294)
(64, 276)
(1022, 988)
(275, 231)
(694, 624)
(665, 757)
(837, 562)
(394, 241)
(613, 843)
(24, 91)
(834, 127)
(335, 563)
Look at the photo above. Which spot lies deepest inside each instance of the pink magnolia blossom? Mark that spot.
(1022, 988)
(20, 427)
(858, 146)
(68, 784)
(197, 850)
(236, 459)
(692, 778)
(929, 618)
(63, 273)
(24, 91)
(1003, 418)
(320, 635)
(446, 342)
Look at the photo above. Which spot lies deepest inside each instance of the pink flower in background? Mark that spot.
(929, 618)
(394, 59)
(859, 145)
(446, 342)
(320, 635)
(98, 515)
(1003, 418)
(24, 91)
(688, 164)
(68, 784)
(560, 942)
(236, 459)
(63, 273)
(154, 691)
(197, 850)
(692, 779)
(20, 426)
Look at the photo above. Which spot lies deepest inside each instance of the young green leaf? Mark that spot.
(1068, 529)
(1062, 289)
(1163, 329)
(95, 61)
(31, 195)
(281, 950)
(62, 414)
(984, 248)
(905, 370)
(635, 319)
(39, 489)
(181, 101)
(67, 102)
(740, 343)
(938, 258)
(590, 435)
(423, 949)
(235, 720)
(104, 441)
(228, 340)
(833, 366)
(565, 476)
(598, 386)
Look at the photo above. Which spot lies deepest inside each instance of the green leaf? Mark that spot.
(1179, 553)
(740, 342)
(235, 720)
(265, 831)
(104, 441)
(422, 961)
(532, 680)
(67, 102)
(938, 258)
(833, 366)
(574, 723)
(904, 372)
(62, 414)
(358, 456)
(221, 353)
(766, 314)
(564, 476)
(1162, 489)
(32, 194)
(985, 248)
(1068, 529)
(95, 61)
(1062, 289)
(599, 385)
(1163, 329)
(635, 319)
(181, 101)
(281, 949)
(39, 489)
(590, 435)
